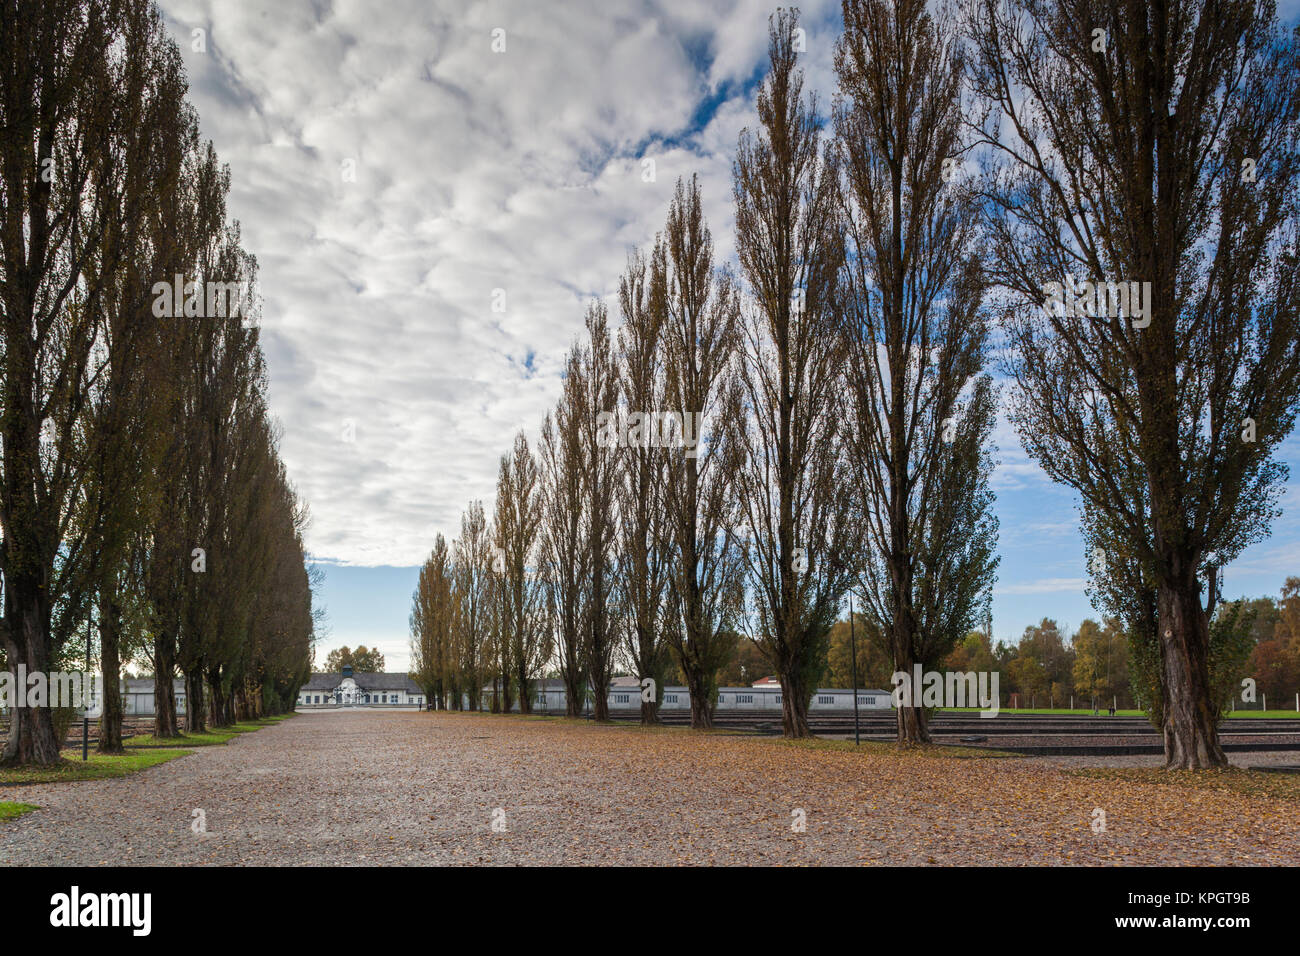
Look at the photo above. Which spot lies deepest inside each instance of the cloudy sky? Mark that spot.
(396, 176)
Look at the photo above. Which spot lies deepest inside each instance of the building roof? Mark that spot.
(383, 681)
(145, 685)
(849, 690)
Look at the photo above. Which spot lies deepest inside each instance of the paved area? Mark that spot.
(390, 787)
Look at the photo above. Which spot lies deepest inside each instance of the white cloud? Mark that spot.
(1045, 586)
(473, 171)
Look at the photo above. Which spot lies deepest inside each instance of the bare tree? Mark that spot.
(69, 75)
(431, 635)
(644, 549)
(564, 552)
(700, 337)
(518, 525)
(1143, 209)
(791, 247)
(472, 567)
(598, 390)
(917, 337)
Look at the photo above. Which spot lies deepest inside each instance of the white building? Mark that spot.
(765, 696)
(137, 697)
(348, 689)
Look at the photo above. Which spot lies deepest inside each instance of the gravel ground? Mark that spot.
(1247, 760)
(1244, 759)
(416, 788)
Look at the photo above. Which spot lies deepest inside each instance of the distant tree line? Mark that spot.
(1107, 193)
(142, 496)
(362, 660)
(718, 471)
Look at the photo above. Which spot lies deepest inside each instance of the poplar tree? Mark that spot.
(790, 242)
(1142, 205)
(923, 408)
(701, 335)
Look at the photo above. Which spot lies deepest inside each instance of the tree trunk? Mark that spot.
(650, 712)
(912, 727)
(196, 711)
(794, 704)
(1189, 719)
(572, 694)
(110, 720)
(32, 738)
(215, 712)
(525, 691)
(164, 689)
(600, 702)
(701, 700)
(507, 698)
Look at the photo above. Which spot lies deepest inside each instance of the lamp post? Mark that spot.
(853, 656)
(85, 710)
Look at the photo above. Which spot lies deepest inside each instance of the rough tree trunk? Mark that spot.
(572, 695)
(701, 700)
(32, 737)
(794, 704)
(110, 720)
(507, 698)
(600, 705)
(525, 690)
(214, 703)
(196, 710)
(912, 727)
(164, 691)
(1189, 718)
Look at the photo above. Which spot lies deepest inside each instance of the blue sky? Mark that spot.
(392, 173)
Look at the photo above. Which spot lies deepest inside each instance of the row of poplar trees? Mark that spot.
(142, 497)
(891, 256)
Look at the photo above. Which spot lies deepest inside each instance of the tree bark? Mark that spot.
(912, 727)
(32, 738)
(110, 720)
(1189, 721)
(701, 700)
(165, 723)
(572, 694)
(196, 712)
(794, 704)
(525, 691)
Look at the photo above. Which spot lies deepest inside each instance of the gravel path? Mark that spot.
(416, 788)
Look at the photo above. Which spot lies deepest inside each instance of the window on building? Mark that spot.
(825, 699)
(622, 698)
(722, 699)
(744, 698)
(670, 698)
